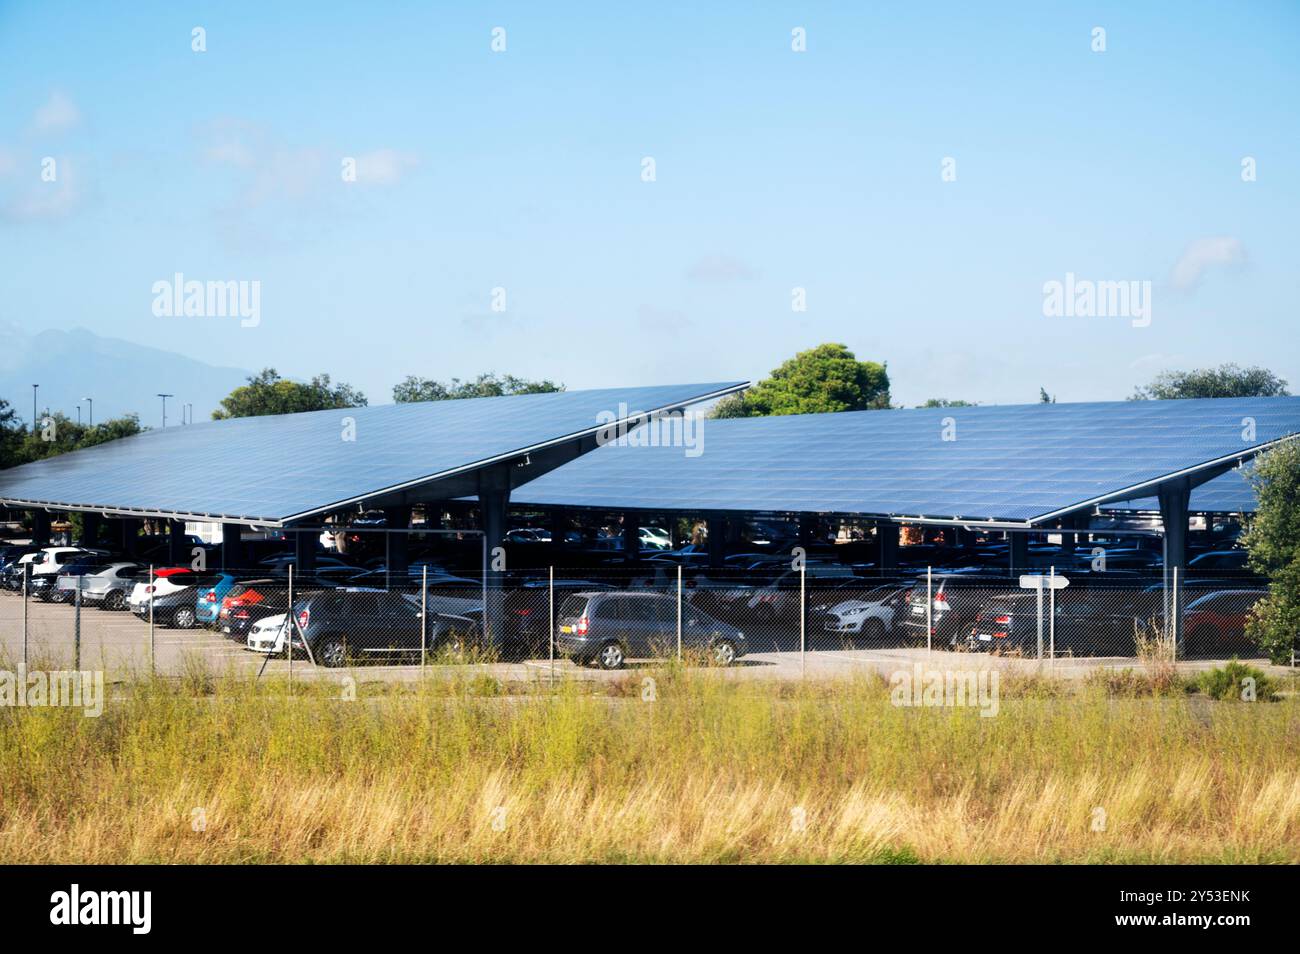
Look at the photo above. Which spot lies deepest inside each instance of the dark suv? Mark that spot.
(345, 624)
(609, 627)
(1088, 623)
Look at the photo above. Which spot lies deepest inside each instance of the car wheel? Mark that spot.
(611, 656)
(115, 600)
(449, 642)
(724, 652)
(183, 618)
(332, 652)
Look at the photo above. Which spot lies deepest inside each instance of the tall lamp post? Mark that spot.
(34, 387)
(90, 414)
(164, 400)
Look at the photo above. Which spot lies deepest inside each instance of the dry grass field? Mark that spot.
(460, 769)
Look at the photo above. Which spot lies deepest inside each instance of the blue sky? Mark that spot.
(774, 170)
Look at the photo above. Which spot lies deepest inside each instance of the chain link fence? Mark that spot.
(340, 615)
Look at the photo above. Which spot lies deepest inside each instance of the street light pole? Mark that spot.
(164, 400)
(90, 413)
(34, 387)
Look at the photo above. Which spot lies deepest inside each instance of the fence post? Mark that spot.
(929, 611)
(1051, 616)
(152, 666)
(424, 615)
(1177, 620)
(803, 620)
(76, 628)
(1038, 599)
(679, 612)
(288, 638)
(27, 585)
(550, 615)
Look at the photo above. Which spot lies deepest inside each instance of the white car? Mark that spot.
(165, 581)
(871, 616)
(267, 635)
(655, 538)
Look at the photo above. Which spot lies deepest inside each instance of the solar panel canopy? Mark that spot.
(1024, 463)
(276, 468)
(1230, 493)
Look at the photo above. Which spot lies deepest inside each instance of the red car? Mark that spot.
(1215, 624)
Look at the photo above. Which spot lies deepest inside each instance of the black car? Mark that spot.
(343, 625)
(1087, 623)
(609, 627)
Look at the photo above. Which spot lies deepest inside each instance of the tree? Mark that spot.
(268, 393)
(1273, 539)
(56, 434)
(1044, 397)
(11, 435)
(485, 385)
(944, 402)
(1225, 381)
(825, 379)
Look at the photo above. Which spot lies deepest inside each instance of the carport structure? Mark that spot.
(291, 471)
(1015, 468)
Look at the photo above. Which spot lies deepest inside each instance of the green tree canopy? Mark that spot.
(1225, 381)
(485, 385)
(268, 393)
(56, 434)
(1273, 539)
(944, 402)
(822, 380)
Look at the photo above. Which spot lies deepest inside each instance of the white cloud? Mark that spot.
(57, 114)
(1204, 254)
(384, 166)
(720, 268)
(40, 200)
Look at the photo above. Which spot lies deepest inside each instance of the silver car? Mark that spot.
(110, 585)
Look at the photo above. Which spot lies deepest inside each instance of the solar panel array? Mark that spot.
(272, 468)
(1013, 463)
(1230, 493)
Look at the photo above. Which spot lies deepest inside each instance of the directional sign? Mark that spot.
(1034, 581)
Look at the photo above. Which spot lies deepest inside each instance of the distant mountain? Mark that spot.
(121, 376)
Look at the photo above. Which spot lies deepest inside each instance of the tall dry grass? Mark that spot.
(711, 771)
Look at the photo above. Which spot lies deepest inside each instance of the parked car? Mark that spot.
(957, 598)
(267, 635)
(1216, 622)
(609, 627)
(781, 597)
(868, 613)
(347, 624)
(73, 577)
(177, 608)
(47, 564)
(527, 612)
(1219, 561)
(207, 607)
(166, 580)
(1087, 623)
(249, 602)
(110, 584)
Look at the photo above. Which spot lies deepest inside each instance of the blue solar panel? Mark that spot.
(1231, 493)
(1015, 463)
(269, 469)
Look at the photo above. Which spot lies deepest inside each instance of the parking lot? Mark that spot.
(119, 643)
